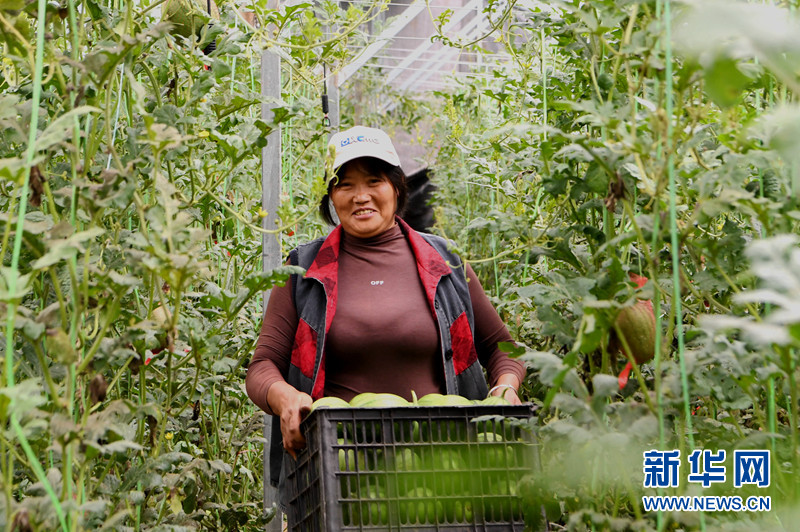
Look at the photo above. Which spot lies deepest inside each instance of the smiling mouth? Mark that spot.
(362, 212)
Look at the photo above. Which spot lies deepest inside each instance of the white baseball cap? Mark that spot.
(361, 141)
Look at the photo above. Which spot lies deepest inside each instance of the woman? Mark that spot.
(381, 307)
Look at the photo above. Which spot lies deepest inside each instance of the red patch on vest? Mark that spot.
(464, 354)
(304, 350)
(325, 269)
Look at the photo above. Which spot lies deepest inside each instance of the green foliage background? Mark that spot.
(650, 137)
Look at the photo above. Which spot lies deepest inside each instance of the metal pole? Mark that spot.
(271, 246)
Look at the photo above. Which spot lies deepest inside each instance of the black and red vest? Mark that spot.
(444, 281)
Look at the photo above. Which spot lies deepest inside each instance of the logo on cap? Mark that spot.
(360, 138)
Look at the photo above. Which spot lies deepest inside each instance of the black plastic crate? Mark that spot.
(425, 468)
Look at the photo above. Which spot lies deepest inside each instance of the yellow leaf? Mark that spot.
(175, 503)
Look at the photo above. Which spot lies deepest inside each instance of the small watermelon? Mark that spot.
(637, 324)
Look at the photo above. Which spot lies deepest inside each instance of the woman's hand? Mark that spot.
(291, 406)
(511, 396)
(506, 387)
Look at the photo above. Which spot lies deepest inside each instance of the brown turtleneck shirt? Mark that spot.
(383, 337)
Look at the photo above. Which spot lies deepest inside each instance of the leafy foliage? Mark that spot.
(135, 297)
(557, 177)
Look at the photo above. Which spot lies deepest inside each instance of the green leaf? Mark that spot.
(61, 128)
(224, 366)
(12, 169)
(513, 350)
(168, 114)
(175, 502)
(725, 82)
(164, 137)
(32, 329)
(604, 385)
(712, 29)
(63, 249)
(11, 5)
(596, 179)
(781, 129)
(14, 286)
(22, 399)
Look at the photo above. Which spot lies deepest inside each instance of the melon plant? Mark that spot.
(133, 246)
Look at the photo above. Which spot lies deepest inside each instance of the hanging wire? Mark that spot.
(116, 113)
(544, 84)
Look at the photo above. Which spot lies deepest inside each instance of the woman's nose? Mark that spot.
(360, 195)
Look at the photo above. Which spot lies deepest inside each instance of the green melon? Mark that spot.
(188, 17)
(329, 402)
(378, 400)
(437, 399)
(637, 324)
(493, 400)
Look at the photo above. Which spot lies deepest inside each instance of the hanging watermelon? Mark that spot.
(637, 324)
(189, 16)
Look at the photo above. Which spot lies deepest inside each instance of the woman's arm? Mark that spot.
(505, 374)
(273, 352)
(265, 382)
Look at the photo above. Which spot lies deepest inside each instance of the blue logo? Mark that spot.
(713, 467)
(751, 467)
(360, 138)
(661, 468)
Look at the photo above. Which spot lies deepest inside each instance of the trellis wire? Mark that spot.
(673, 219)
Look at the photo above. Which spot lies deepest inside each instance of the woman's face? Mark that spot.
(364, 203)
